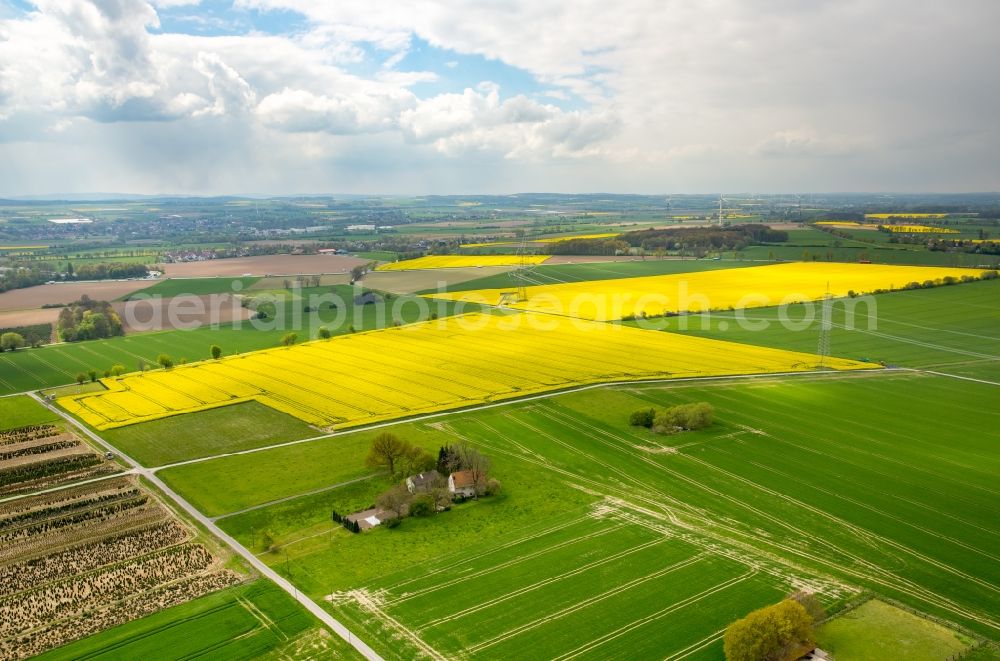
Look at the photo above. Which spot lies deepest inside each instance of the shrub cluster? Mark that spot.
(87, 319)
(683, 417)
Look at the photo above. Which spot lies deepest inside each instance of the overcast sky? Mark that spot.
(417, 96)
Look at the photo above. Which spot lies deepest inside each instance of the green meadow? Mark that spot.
(254, 620)
(881, 481)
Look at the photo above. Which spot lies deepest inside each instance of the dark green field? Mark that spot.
(196, 286)
(884, 481)
(950, 329)
(21, 410)
(230, 429)
(249, 621)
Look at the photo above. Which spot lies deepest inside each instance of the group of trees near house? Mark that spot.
(683, 417)
(463, 457)
(401, 458)
(87, 319)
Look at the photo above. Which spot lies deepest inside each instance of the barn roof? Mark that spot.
(463, 479)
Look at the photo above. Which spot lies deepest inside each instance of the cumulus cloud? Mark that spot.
(640, 94)
(518, 126)
(230, 92)
(303, 111)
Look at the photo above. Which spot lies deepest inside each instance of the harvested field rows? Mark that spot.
(39, 456)
(752, 287)
(427, 367)
(92, 556)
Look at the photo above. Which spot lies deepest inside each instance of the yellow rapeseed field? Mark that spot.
(427, 367)
(756, 286)
(459, 261)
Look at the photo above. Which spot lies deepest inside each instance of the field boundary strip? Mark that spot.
(528, 398)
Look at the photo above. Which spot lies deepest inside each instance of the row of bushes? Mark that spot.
(28, 433)
(79, 594)
(97, 513)
(32, 573)
(41, 448)
(65, 508)
(17, 474)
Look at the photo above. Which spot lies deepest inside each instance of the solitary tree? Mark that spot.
(11, 341)
(117, 369)
(289, 339)
(80, 378)
(324, 333)
(165, 361)
(216, 351)
(387, 449)
(92, 374)
(778, 632)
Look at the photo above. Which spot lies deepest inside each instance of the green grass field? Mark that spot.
(310, 466)
(949, 329)
(256, 620)
(230, 429)
(196, 286)
(878, 254)
(882, 481)
(21, 410)
(876, 630)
